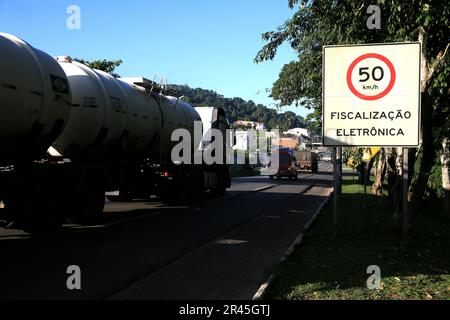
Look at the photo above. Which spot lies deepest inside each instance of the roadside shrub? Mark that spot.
(434, 187)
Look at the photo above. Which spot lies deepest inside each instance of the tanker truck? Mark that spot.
(69, 133)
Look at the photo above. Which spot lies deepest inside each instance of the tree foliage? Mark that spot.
(325, 22)
(333, 22)
(239, 109)
(108, 66)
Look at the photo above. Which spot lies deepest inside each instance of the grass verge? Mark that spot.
(329, 267)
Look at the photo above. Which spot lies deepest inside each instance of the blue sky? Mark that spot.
(202, 43)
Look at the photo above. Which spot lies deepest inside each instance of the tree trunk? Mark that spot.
(424, 71)
(369, 168)
(361, 171)
(364, 171)
(390, 170)
(377, 188)
(397, 189)
(428, 153)
(445, 160)
(411, 162)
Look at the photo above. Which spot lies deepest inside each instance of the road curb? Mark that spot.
(298, 240)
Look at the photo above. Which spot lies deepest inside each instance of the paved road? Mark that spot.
(217, 248)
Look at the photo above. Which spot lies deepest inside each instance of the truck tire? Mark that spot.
(36, 207)
(124, 196)
(221, 187)
(88, 204)
(177, 195)
(113, 198)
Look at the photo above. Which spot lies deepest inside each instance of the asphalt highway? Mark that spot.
(215, 248)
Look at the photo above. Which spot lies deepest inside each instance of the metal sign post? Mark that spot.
(339, 171)
(335, 191)
(405, 194)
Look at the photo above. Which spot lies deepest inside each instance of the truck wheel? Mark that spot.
(113, 198)
(49, 219)
(184, 195)
(88, 205)
(271, 177)
(177, 192)
(221, 188)
(125, 195)
(36, 208)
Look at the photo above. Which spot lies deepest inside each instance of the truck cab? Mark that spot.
(287, 165)
(307, 161)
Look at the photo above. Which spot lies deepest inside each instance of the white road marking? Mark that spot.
(265, 187)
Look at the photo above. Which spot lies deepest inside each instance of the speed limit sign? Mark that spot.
(371, 95)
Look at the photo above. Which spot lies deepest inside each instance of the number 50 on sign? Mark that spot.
(371, 95)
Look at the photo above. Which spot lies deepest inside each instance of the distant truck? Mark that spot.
(287, 165)
(307, 161)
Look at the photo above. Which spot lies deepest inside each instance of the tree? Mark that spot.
(377, 188)
(108, 66)
(239, 109)
(325, 22)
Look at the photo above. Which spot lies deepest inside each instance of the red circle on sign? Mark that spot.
(380, 95)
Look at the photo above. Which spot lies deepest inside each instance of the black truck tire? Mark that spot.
(88, 203)
(38, 205)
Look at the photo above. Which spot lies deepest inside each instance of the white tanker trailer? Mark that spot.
(68, 134)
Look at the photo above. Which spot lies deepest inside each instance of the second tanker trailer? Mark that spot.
(69, 133)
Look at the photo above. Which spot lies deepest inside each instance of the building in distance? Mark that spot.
(259, 126)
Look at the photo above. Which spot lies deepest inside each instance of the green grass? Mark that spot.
(329, 267)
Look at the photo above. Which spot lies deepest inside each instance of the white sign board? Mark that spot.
(371, 95)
